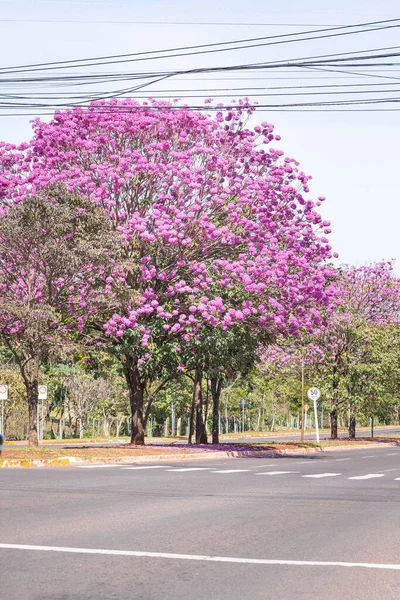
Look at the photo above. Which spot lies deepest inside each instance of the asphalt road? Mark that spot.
(336, 507)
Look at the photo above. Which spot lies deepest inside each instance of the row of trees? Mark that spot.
(180, 243)
(90, 397)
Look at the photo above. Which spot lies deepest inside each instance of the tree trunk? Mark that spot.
(352, 427)
(53, 429)
(201, 435)
(273, 405)
(272, 428)
(81, 429)
(30, 373)
(32, 394)
(105, 424)
(119, 425)
(148, 410)
(335, 401)
(191, 416)
(216, 387)
(136, 389)
(334, 424)
(372, 427)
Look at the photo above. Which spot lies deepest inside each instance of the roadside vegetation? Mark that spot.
(164, 271)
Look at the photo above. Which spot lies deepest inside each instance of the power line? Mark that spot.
(50, 95)
(223, 23)
(145, 55)
(329, 60)
(260, 110)
(340, 63)
(127, 109)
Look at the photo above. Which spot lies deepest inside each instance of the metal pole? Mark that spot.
(2, 417)
(316, 420)
(42, 437)
(302, 401)
(173, 419)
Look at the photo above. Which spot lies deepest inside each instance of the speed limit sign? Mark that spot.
(314, 393)
(3, 391)
(42, 392)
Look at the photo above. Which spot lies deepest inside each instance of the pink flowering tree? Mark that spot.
(368, 299)
(215, 221)
(50, 272)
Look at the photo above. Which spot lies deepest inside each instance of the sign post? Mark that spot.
(173, 418)
(3, 396)
(314, 394)
(42, 395)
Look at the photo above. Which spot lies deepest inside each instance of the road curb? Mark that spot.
(53, 462)
(193, 455)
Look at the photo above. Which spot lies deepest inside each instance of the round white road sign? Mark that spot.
(314, 393)
(42, 392)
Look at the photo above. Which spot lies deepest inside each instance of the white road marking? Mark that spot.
(369, 456)
(233, 471)
(277, 472)
(319, 475)
(97, 466)
(387, 470)
(203, 558)
(190, 469)
(148, 467)
(392, 454)
(340, 459)
(369, 476)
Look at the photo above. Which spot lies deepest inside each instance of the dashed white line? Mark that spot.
(190, 469)
(340, 459)
(369, 476)
(277, 472)
(369, 456)
(319, 475)
(392, 454)
(97, 466)
(147, 467)
(232, 471)
(203, 558)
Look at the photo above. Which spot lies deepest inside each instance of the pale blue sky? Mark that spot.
(353, 157)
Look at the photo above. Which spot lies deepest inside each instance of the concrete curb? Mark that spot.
(196, 455)
(53, 462)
